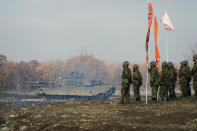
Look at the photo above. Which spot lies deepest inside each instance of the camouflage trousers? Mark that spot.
(171, 90)
(163, 93)
(195, 87)
(136, 91)
(185, 89)
(125, 93)
(154, 91)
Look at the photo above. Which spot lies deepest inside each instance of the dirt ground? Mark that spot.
(178, 114)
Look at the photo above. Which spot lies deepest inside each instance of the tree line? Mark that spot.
(79, 67)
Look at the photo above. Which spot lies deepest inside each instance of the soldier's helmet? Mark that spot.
(125, 63)
(185, 62)
(170, 64)
(135, 67)
(153, 63)
(195, 57)
(164, 64)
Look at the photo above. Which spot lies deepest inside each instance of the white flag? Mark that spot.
(166, 21)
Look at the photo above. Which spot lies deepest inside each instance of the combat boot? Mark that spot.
(154, 100)
(121, 101)
(127, 100)
(166, 99)
(174, 96)
(137, 99)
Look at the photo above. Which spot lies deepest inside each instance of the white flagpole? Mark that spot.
(147, 85)
(166, 45)
(158, 93)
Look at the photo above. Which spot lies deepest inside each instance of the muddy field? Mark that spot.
(178, 114)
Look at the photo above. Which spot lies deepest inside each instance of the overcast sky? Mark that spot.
(112, 30)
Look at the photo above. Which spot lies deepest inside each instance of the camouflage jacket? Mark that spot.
(194, 71)
(184, 74)
(164, 77)
(126, 74)
(172, 76)
(154, 76)
(137, 78)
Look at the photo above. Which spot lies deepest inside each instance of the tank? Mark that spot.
(77, 89)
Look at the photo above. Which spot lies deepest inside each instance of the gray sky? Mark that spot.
(112, 30)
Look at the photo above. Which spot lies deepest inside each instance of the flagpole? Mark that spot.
(147, 85)
(166, 45)
(158, 93)
(150, 16)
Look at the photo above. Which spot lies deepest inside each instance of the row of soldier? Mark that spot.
(166, 80)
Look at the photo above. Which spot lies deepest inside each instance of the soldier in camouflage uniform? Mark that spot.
(194, 74)
(137, 82)
(172, 80)
(154, 80)
(164, 81)
(184, 79)
(126, 81)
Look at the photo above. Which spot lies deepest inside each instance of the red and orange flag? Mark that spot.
(150, 16)
(157, 56)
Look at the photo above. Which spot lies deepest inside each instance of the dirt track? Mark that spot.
(179, 114)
